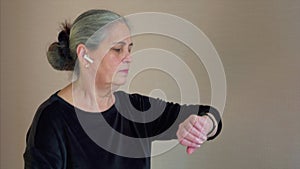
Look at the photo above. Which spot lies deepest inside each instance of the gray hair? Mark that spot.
(88, 29)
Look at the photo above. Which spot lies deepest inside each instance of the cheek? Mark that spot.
(109, 65)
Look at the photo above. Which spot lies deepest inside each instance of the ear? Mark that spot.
(81, 50)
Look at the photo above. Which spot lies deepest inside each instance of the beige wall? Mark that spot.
(258, 42)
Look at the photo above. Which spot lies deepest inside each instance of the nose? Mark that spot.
(127, 58)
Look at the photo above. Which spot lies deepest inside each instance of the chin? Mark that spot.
(120, 81)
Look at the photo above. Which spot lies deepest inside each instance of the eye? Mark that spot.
(117, 49)
(130, 48)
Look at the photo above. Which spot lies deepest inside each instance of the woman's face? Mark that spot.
(112, 58)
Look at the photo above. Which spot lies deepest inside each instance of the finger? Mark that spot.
(190, 150)
(194, 131)
(188, 125)
(193, 119)
(188, 143)
(183, 131)
(192, 135)
(202, 134)
(207, 124)
(198, 140)
(201, 124)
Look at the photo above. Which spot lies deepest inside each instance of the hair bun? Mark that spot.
(63, 39)
(58, 54)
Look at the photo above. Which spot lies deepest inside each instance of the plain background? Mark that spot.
(258, 43)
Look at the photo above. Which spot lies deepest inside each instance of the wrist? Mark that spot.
(213, 127)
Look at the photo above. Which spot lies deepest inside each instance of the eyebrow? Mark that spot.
(122, 43)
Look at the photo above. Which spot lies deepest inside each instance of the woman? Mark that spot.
(69, 129)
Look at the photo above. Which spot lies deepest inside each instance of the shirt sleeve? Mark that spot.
(44, 148)
(166, 116)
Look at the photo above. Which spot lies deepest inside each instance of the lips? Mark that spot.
(124, 70)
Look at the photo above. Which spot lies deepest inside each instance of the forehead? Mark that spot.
(118, 32)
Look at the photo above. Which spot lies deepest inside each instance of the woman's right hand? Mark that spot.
(192, 133)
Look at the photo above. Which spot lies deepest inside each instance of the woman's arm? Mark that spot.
(167, 116)
(44, 143)
(195, 130)
(213, 125)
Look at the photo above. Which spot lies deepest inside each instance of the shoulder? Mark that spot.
(51, 109)
(45, 138)
(139, 101)
(48, 119)
(134, 98)
(121, 93)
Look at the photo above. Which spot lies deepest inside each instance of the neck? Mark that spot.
(92, 98)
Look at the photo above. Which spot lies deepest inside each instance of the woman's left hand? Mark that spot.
(192, 133)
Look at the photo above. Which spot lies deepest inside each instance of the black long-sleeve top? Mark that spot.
(62, 136)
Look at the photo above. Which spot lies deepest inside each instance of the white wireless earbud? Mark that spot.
(86, 57)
